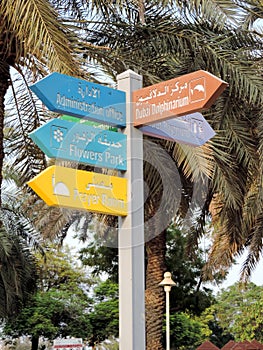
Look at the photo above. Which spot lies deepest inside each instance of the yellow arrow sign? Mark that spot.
(79, 189)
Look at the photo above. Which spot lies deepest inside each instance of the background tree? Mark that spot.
(238, 311)
(187, 332)
(188, 299)
(104, 318)
(217, 335)
(191, 293)
(61, 305)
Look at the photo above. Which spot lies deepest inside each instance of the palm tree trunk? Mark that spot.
(154, 294)
(4, 83)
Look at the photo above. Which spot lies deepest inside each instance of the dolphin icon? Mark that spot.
(199, 88)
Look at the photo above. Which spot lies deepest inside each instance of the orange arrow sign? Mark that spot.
(79, 189)
(176, 97)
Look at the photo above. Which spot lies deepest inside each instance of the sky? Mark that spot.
(257, 274)
(232, 278)
(234, 274)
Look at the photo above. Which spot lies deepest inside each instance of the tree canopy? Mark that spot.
(61, 305)
(238, 311)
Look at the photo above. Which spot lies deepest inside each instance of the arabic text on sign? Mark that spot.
(174, 97)
(66, 187)
(186, 94)
(82, 143)
(80, 98)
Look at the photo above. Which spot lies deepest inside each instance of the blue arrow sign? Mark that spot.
(191, 129)
(82, 143)
(83, 99)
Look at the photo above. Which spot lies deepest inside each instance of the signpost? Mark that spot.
(83, 99)
(180, 96)
(79, 189)
(82, 143)
(148, 108)
(191, 129)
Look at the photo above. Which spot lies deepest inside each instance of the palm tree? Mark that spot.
(170, 39)
(33, 41)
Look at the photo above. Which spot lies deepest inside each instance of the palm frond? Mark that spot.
(196, 162)
(253, 10)
(218, 13)
(34, 31)
(254, 251)
(17, 265)
(14, 218)
(17, 274)
(22, 117)
(163, 188)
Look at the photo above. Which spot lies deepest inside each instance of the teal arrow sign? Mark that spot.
(82, 143)
(83, 99)
(191, 129)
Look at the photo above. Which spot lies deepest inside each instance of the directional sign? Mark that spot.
(80, 98)
(191, 129)
(82, 143)
(78, 189)
(176, 97)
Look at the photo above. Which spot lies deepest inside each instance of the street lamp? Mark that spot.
(167, 283)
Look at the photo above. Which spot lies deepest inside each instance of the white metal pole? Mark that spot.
(131, 232)
(167, 292)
